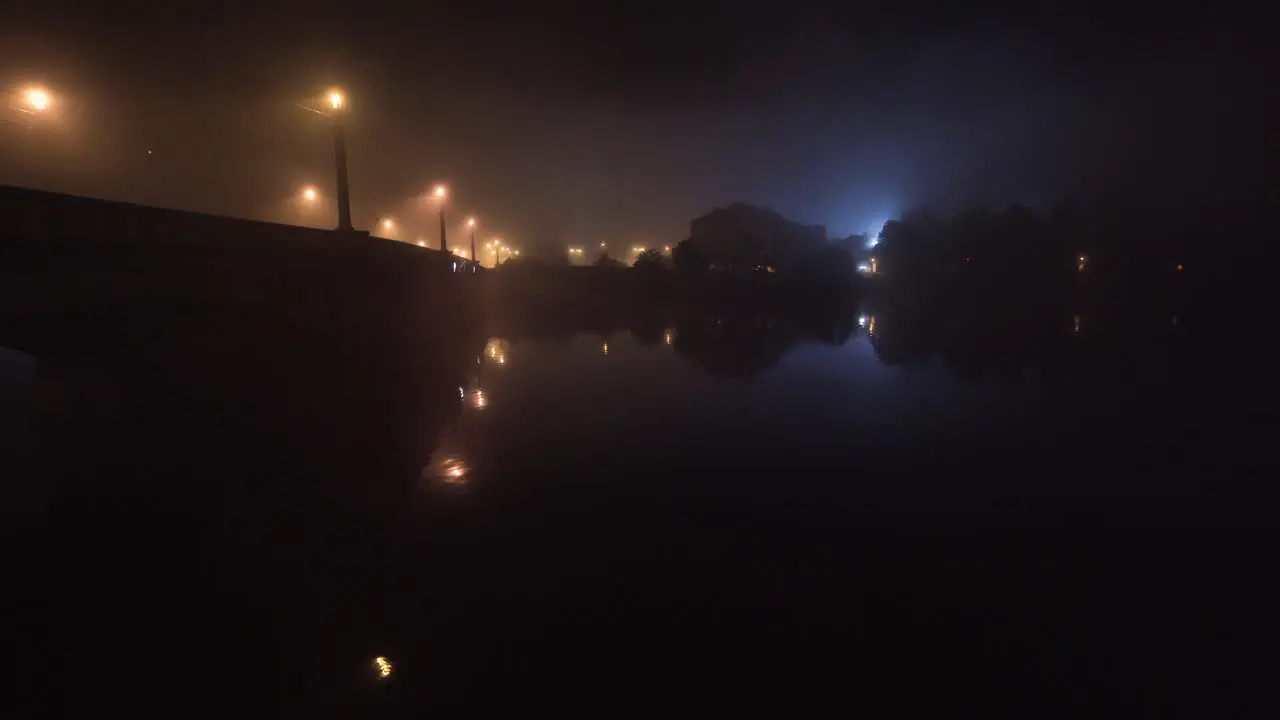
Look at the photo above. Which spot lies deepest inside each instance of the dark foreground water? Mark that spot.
(861, 513)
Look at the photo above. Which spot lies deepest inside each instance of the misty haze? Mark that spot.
(375, 360)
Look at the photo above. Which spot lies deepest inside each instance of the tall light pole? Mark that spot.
(440, 192)
(471, 225)
(336, 101)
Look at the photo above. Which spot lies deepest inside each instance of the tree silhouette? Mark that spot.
(650, 260)
(689, 260)
(606, 261)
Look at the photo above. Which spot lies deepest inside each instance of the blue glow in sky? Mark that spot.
(874, 228)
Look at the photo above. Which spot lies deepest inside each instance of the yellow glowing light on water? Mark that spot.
(383, 666)
(453, 471)
(38, 99)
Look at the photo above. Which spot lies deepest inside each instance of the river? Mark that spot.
(729, 507)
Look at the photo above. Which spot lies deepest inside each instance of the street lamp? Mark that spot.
(439, 193)
(309, 194)
(471, 225)
(38, 98)
(337, 101)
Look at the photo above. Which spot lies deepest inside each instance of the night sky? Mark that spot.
(561, 122)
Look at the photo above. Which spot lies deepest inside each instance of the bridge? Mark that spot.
(67, 261)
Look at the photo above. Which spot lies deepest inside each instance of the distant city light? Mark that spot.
(479, 400)
(863, 267)
(602, 244)
(383, 666)
(605, 348)
(862, 321)
(666, 248)
(1081, 262)
(668, 337)
(421, 244)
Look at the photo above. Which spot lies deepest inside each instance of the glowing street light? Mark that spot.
(440, 193)
(471, 225)
(337, 101)
(387, 224)
(310, 194)
(38, 98)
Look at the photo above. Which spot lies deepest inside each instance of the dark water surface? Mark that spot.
(713, 510)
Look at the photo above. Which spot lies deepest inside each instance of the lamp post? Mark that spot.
(471, 225)
(336, 101)
(439, 193)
